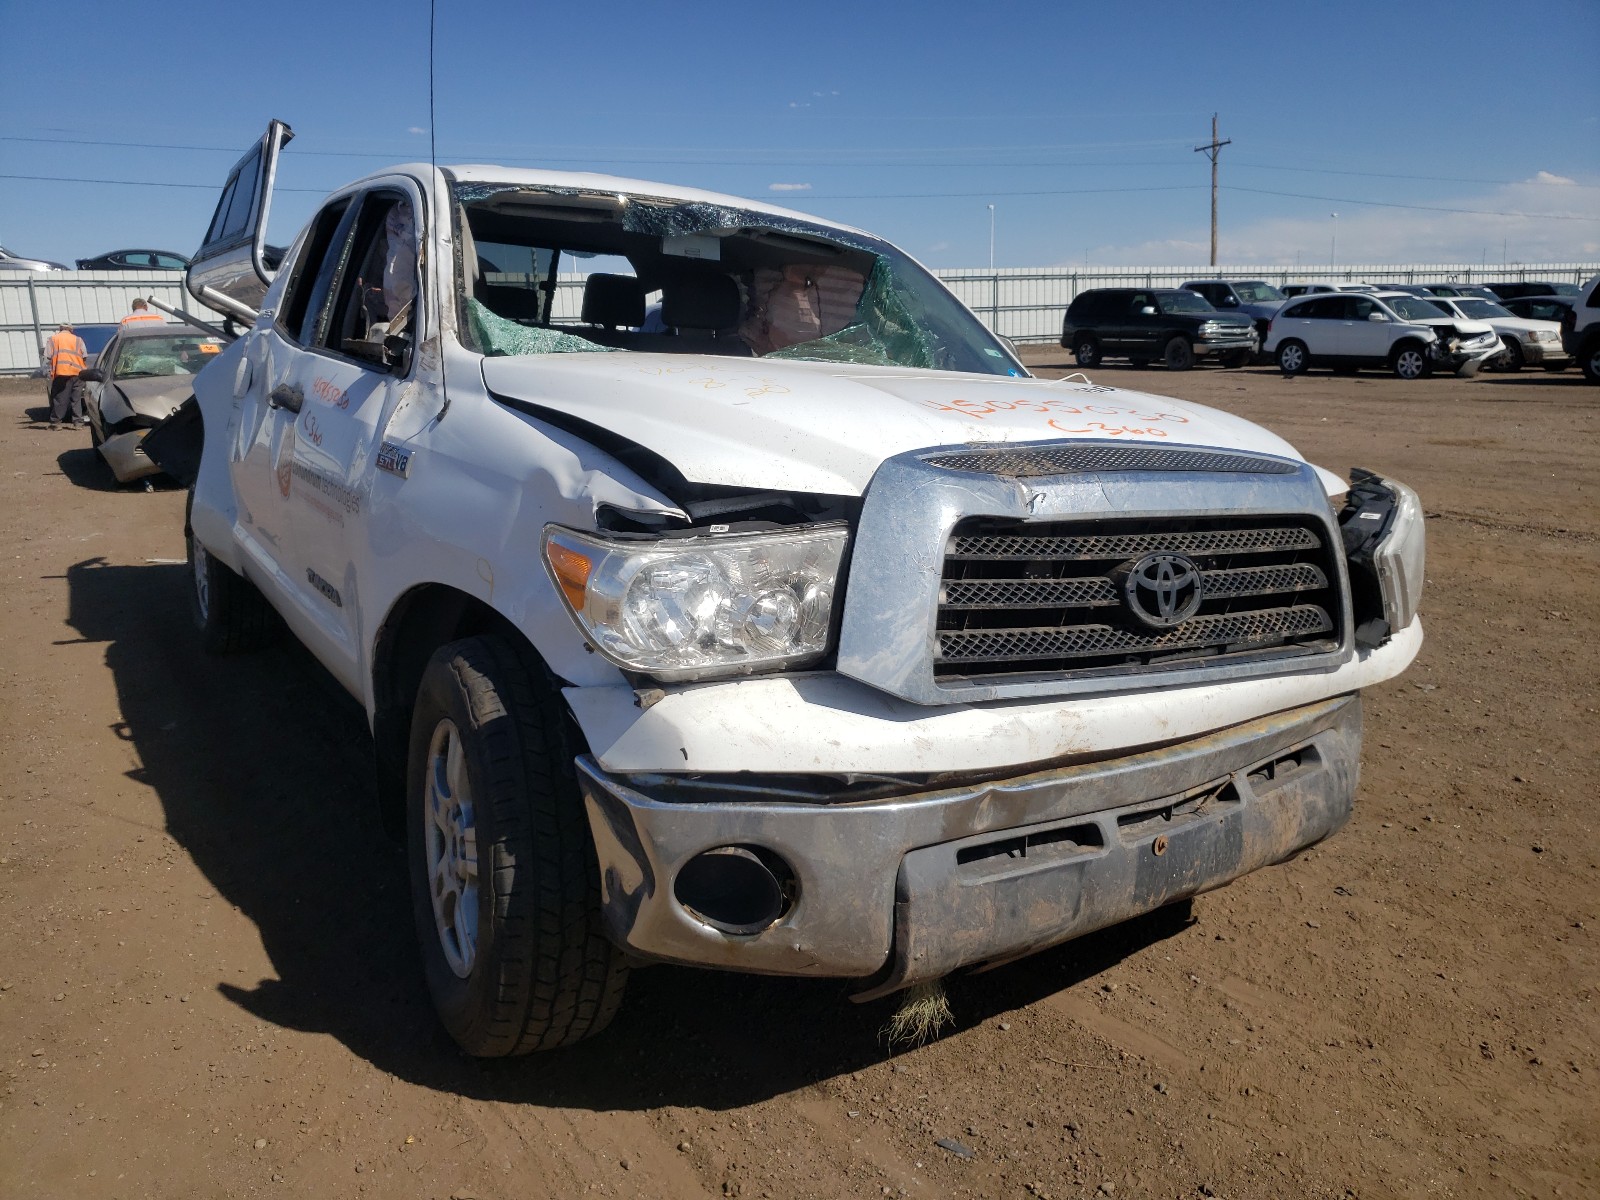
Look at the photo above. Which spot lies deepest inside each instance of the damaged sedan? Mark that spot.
(721, 592)
(141, 378)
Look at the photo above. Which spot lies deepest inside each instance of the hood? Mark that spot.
(825, 427)
(1463, 327)
(153, 396)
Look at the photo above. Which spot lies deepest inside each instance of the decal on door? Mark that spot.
(329, 592)
(283, 465)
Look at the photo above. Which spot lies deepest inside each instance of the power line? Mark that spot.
(1476, 212)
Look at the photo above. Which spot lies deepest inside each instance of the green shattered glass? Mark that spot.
(886, 332)
(499, 336)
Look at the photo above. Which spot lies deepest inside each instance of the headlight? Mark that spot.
(692, 607)
(1399, 559)
(1544, 335)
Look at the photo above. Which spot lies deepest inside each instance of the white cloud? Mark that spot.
(788, 187)
(797, 104)
(1514, 223)
(938, 246)
(416, 129)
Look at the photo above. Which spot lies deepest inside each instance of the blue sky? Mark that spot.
(1077, 121)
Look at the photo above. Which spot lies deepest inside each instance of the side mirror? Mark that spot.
(1376, 317)
(1230, 302)
(1147, 311)
(92, 375)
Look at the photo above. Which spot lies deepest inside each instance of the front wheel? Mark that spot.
(1411, 362)
(504, 881)
(1292, 358)
(1512, 359)
(231, 615)
(1179, 354)
(1087, 352)
(1589, 360)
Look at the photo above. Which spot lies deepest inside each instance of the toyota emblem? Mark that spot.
(1162, 590)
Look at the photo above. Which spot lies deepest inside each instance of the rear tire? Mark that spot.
(1087, 352)
(504, 881)
(233, 617)
(1293, 358)
(1179, 354)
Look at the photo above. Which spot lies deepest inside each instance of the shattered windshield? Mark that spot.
(560, 271)
(181, 354)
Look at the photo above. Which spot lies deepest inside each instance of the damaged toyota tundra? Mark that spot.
(721, 592)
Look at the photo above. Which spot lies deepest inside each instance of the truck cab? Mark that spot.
(748, 604)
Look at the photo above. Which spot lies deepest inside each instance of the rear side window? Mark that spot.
(1594, 297)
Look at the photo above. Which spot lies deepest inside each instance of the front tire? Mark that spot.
(1292, 358)
(231, 615)
(1087, 352)
(504, 882)
(1513, 359)
(1179, 354)
(1411, 361)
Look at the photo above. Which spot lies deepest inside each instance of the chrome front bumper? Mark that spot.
(898, 890)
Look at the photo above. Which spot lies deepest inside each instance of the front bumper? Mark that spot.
(895, 891)
(1465, 360)
(1227, 344)
(1545, 354)
(124, 454)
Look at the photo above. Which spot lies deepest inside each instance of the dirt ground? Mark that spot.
(209, 986)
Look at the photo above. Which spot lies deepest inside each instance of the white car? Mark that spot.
(806, 635)
(1406, 334)
(1291, 290)
(1525, 341)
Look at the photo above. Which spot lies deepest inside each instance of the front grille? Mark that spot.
(1049, 598)
(1025, 462)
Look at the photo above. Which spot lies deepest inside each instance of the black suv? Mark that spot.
(1143, 324)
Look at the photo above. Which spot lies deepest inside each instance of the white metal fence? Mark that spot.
(1024, 304)
(32, 304)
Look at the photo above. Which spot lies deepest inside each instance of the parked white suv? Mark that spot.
(1404, 333)
(796, 631)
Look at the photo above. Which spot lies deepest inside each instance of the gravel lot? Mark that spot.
(208, 984)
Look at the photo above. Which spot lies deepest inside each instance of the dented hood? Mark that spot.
(825, 427)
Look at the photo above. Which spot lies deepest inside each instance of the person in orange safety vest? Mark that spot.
(66, 355)
(141, 312)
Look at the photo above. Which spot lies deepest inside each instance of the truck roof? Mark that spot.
(592, 181)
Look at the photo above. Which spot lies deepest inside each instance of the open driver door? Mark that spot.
(234, 265)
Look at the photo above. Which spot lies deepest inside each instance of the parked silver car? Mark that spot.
(17, 262)
(144, 375)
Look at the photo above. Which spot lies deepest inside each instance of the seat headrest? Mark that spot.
(613, 301)
(701, 302)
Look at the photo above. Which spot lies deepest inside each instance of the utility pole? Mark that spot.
(1211, 149)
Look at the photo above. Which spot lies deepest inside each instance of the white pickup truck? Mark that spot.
(750, 605)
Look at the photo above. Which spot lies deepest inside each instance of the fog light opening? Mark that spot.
(736, 889)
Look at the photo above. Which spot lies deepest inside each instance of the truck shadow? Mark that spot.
(262, 766)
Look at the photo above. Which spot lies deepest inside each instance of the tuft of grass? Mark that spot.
(924, 1010)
